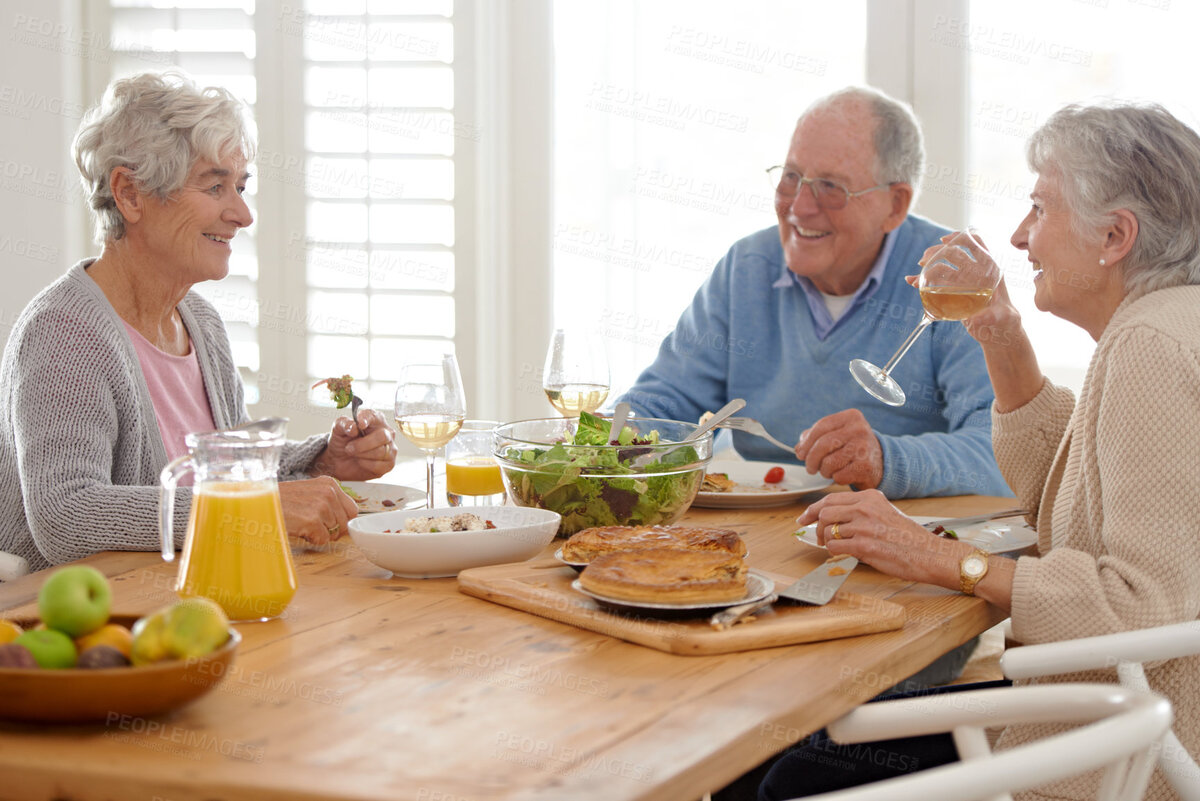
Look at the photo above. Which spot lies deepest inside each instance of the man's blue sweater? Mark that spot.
(748, 335)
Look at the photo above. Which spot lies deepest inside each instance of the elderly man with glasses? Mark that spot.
(787, 308)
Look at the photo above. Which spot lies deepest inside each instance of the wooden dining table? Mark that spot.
(378, 687)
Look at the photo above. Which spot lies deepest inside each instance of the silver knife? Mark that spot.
(951, 522)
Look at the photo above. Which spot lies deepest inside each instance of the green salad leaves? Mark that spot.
(601, 486)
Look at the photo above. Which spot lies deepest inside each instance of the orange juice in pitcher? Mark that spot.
(236, 550)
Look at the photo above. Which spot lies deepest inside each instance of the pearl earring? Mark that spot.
(1103, 262)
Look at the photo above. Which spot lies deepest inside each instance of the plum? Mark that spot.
(102, 656)
(16, 656)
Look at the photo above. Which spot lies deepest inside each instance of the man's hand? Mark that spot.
(842, 447)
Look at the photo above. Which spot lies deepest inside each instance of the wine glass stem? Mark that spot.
(908, 343)
(429, 479)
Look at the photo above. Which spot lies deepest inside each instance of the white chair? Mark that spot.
(1122, 726)
(1126, 652)
(12, 566)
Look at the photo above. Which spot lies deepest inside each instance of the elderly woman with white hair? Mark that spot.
(1114, 240)
(110, 366)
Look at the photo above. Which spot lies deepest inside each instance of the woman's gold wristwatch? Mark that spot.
(972, 569)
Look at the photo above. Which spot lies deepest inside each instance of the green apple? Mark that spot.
(75, 600)
(50, 648)
(194, 627)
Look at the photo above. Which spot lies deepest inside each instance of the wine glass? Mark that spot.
(956, 282)
(430, 407)
(575, 377)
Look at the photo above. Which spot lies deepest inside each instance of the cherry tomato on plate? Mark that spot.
(774, 475)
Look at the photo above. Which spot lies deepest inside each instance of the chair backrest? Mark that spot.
(1125, 651)
(1121, 726)
(12, 566)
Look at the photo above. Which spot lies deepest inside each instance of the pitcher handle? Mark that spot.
(168, 478)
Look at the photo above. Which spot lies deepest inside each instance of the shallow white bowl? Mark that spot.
(520, 533)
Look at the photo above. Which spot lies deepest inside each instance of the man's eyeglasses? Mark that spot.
(828, 194)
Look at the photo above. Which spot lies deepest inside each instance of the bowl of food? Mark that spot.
(643, 476)
(431, 543)
(107, 694)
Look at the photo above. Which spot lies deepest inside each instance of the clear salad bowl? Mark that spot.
(570, 466)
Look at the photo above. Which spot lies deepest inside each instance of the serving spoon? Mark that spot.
(718, 417)
(620, 415)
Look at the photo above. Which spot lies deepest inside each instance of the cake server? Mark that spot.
(816, 588)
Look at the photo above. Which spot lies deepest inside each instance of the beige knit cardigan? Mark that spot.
(1115, 490)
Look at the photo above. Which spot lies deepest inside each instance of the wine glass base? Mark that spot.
(878, 383)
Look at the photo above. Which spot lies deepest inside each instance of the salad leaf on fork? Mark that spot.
(339, 390)
(341, 393)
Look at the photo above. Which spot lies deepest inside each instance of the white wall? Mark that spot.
(41, 68)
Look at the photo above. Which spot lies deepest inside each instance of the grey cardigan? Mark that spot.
(80, 449)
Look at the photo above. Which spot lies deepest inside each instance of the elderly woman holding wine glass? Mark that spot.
(1113, 237)
(111, 365)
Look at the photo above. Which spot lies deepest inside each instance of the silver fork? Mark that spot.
(751, 426)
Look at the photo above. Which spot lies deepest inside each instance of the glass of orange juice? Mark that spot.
(472, 475)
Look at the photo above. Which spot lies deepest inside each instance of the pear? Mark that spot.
(194, 627)
(148, 646)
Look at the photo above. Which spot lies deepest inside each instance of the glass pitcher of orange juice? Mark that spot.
(236, 551)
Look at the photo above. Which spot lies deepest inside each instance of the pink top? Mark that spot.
(176, 390)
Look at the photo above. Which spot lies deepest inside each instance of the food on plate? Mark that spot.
(75, 600)
(463, 521)
(587, 545)
(666, 575)
(942, 531)
(717, 482)
(340, 390)
(363, 501)
(604, 486)
(836, 571)
(721, 482)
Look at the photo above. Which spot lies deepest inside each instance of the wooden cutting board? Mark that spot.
(545, 590)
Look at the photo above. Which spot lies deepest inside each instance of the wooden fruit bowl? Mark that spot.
(81, 695)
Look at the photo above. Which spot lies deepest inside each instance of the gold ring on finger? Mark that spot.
(834, 531)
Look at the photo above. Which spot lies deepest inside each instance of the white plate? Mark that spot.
(749, 492)
(995, 536)
(758, 586)
(371, 496)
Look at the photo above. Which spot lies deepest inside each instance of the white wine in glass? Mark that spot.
(430, 408)
(575, 378)
(956, 282)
